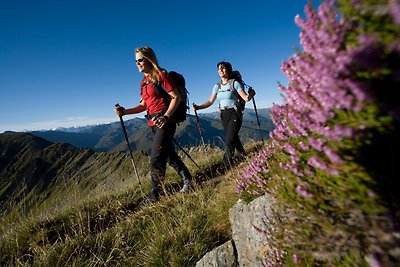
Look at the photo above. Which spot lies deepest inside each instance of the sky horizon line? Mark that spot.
(76, 122)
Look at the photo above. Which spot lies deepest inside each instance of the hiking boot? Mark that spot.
(186, 186)
(152, 198)
(186, 177)
(241, 156)
(221, 169)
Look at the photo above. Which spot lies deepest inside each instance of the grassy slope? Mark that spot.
(118, 228)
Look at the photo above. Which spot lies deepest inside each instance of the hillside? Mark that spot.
(88, 198)
(34, 171)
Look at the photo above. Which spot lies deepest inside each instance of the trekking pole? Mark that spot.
(176, 142)
(258, 120)
(130, 150)
(198, 125)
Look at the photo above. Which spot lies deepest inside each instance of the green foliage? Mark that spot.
(373, 19)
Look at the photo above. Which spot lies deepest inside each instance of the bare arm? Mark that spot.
(121, 111)
(206, 104)
(246, 97)
(173, 105)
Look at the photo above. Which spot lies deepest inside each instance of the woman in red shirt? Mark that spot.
(160, 119)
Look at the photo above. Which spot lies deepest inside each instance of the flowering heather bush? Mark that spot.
(316, 89)
(329, 99)
(343, 95)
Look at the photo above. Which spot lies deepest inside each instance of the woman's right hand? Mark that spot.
(119, 110)
(195, 107)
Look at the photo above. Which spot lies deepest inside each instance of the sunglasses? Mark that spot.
(140, 60)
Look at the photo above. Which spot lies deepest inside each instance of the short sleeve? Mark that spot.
(166, 82)
(215, 89)
(238, 86)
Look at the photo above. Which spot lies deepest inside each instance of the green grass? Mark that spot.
(118, 229)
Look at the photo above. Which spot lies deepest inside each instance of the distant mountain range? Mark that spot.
(110, 137)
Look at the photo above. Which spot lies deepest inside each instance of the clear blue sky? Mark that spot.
(66, 63)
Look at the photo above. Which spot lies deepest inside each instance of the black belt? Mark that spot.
(227, 107)
(155, 115)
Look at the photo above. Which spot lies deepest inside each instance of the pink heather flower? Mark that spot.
(303, 192)
(394, 11)
(316, 143)
(296, 258)
(303, 145)
(283, 165)
(315, 162)
(373, 261)
(295, 169)
(343, 131)
(332, 171)
(332, 155)
(290, 149)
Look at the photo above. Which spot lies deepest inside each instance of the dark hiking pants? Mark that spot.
(232, 122)
(163, 151)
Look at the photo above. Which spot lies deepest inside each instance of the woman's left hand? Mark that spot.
(161, 121)
(251, 93)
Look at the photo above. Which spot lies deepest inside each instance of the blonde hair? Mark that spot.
(149, 54)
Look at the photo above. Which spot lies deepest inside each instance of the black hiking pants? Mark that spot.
(163, 151)
(232, 122)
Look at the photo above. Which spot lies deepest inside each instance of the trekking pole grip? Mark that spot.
(117, 106)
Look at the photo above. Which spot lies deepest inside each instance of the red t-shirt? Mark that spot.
(155, 102)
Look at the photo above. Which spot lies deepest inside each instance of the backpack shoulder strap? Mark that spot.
(231, 88)
(231, 83)
(161, 91)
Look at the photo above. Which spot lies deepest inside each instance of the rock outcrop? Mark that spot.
(250, 232)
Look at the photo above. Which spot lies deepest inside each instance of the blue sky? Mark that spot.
(66, 63)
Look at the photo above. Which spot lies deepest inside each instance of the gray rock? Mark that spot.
(222, 256)
(251, 225)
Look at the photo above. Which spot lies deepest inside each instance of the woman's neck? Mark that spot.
(224, 80)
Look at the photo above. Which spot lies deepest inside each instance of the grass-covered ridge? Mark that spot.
(119, 228)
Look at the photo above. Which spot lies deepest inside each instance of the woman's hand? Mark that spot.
(251, 93)
(195, 107)
(119, 110)
(160, 121)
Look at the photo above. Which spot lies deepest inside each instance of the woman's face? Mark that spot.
(143, 64)
(222, 71)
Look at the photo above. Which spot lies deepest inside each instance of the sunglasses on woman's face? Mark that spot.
(140, 60)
